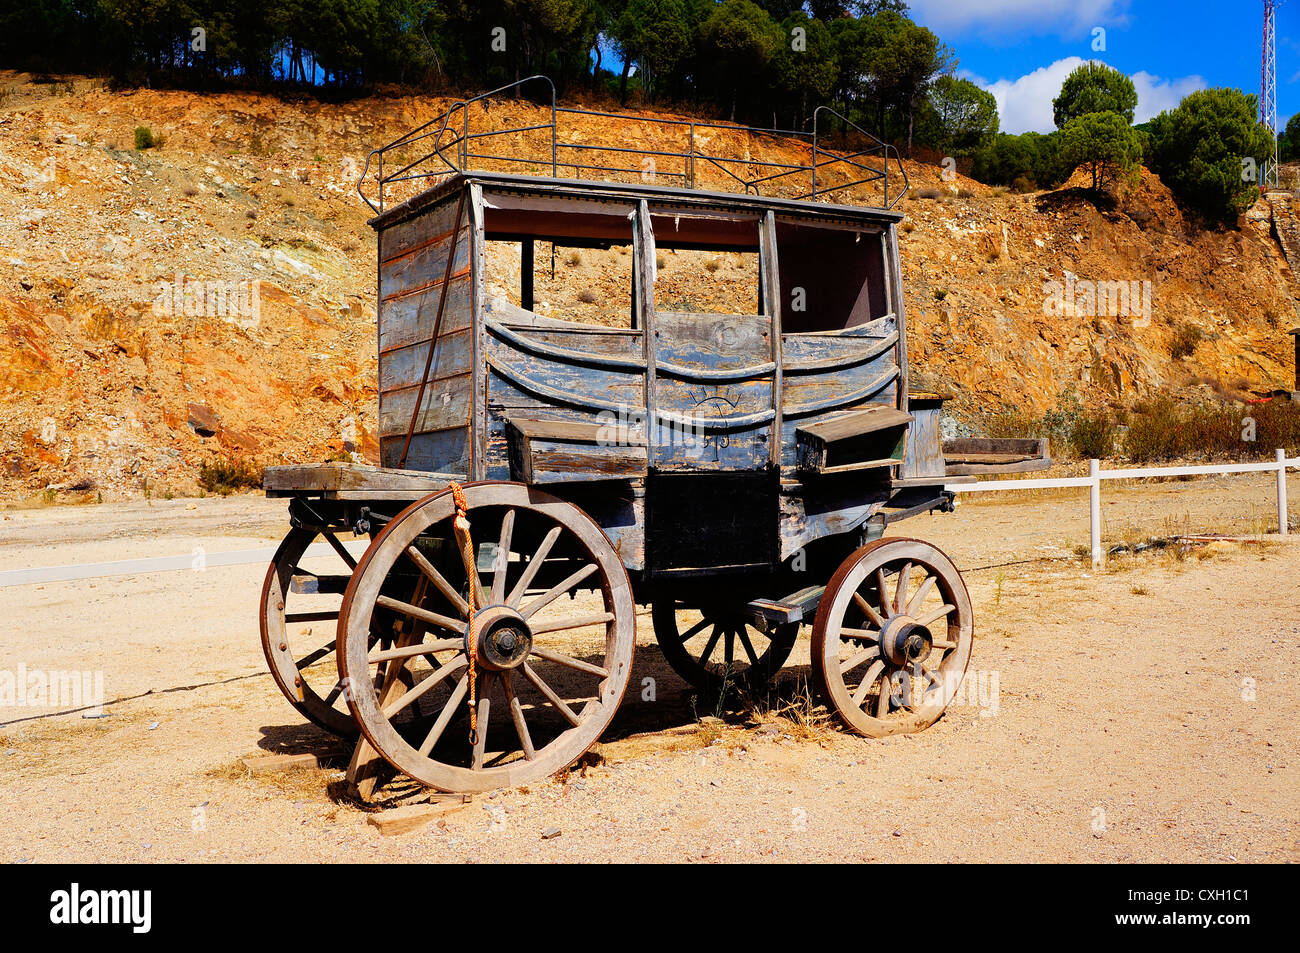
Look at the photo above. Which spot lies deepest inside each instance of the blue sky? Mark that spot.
(1021, 50)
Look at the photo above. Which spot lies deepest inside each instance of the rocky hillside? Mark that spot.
(116, 380)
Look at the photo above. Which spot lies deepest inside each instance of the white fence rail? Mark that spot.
(1096, 475)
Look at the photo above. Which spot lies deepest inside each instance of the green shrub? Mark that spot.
(143, 138)
(1026, 162)
(1093, 435)
(1186, 339)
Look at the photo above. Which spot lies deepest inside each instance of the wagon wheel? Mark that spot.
(298, 623)
(716, 646)
(892, 637)
(549, 676)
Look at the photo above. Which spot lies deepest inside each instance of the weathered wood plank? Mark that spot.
(446, 404)
(403, 367)
(406, 321)
(413, 817)
(864, 439)
(423, 267)
(442, 451)
(318, 477)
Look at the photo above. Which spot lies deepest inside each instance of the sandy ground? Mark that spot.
(1144, 713)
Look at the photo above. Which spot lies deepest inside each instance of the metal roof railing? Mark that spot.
(447, 144)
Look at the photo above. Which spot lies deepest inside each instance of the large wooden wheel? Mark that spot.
(553, 639)
(892, 637)
(716, 646)
(299, 613)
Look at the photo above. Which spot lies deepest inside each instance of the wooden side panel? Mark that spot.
(529, 385)
(413, 258)
(809, 512)
(713, 342)
(924, 446)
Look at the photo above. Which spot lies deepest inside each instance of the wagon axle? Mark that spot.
(904, 642)
(503, 638)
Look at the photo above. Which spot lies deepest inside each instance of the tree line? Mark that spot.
(1210, 150)
(764, 62)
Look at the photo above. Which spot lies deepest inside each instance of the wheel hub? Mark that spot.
(503, 639)
(904, 642)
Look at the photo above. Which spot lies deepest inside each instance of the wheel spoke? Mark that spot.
(569, 662)
(709, 646)
(747, 645)
(424, 615)
(922, 591)
(334, 693)
(438, 580)
(484, 710)
(869, 678)
(533, 566)
(900, 589)
(695, 629)
(559, 589)
(340, 549)
(551, 697)
(424, 687)
(868, 635)
(420, 648)
(502, 562)
(517, 716)
(316, 656)
(936, 615)
(868, 610)
(882, 588)
(574, 622)
(905, 685)
(944, 645)
(886, 690)
(445, 716)
(729, 649)
(853, 661)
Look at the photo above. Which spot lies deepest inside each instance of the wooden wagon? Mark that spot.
(717, 423)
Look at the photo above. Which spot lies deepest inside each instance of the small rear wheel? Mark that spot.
(716, 646)
(893, 637)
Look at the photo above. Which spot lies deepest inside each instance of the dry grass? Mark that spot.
(226, 475)
(792, 706)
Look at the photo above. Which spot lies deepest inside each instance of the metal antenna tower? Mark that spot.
(1268, 90)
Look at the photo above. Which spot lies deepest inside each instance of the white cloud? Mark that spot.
(1155, 95)
(1025, 104)
(1017, 17)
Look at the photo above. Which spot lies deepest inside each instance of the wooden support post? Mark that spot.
(1094, 511)
(526, 274)
(1282, 521)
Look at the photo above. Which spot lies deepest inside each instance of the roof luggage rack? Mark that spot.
(448, 144)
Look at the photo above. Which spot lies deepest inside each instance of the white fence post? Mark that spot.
(1281, 493)
(1094, 510)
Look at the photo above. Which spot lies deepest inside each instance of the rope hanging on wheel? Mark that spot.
(466, 544)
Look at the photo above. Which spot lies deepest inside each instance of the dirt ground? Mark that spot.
(1143, 713)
